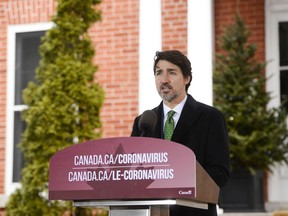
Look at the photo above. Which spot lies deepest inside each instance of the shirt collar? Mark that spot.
(177, 109)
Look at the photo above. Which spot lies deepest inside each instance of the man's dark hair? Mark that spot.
(176, 58)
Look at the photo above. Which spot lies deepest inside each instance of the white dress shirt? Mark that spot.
(177, 110)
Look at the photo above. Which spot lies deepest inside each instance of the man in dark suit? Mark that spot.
(196, 125)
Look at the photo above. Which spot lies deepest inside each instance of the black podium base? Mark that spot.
(243, 193)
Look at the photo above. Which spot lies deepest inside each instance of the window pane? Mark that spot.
(283, 43)
(27, 59)
(284, 87)
(18, 160)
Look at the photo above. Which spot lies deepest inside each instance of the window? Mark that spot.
(23, 58)
(283, 56)
(26, 60)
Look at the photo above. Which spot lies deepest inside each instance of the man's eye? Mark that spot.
(157, 73)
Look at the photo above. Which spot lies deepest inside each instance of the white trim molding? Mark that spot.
(150, 41)
(201, 48)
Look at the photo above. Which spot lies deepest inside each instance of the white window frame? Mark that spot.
(276, 11)
(11, 108)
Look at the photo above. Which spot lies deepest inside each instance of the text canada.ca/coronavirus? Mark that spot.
(114, 175)
(110, 159)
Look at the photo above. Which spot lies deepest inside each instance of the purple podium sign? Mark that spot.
(123, 168)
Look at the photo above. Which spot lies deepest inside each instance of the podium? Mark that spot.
(130, 176)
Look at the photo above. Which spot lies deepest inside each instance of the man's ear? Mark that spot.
(188, 79)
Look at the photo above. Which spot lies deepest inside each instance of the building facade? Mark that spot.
(126, 39)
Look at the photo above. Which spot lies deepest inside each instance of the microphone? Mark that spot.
(147, 122)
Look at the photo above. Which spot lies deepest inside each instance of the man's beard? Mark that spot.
(168, 97)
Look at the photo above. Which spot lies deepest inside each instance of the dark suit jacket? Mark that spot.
(203, 129)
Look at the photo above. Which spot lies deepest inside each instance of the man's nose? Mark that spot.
(164, 78)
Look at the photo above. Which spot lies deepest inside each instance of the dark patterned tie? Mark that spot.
(169, 125)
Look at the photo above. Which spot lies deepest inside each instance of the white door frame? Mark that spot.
(276, 11)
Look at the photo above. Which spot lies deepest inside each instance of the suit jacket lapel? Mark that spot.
(188, 116)
(158, 132)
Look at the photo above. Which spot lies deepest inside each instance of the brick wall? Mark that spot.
(174, 25)
(253, 13)
(116, 43)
